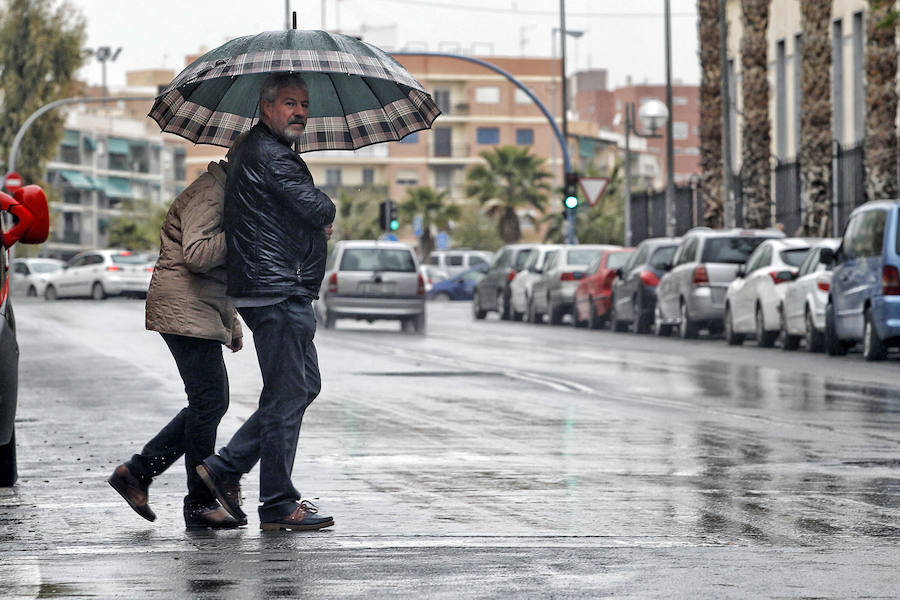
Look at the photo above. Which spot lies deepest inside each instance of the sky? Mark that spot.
(626, 37)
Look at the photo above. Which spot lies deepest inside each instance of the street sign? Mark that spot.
(593, 188)
(12, 182)
(389, 237)
(417, 225)
(442, 241)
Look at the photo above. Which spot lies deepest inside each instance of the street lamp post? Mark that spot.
(670, 160)
(652, 115)
(104, 54)
(570, 212)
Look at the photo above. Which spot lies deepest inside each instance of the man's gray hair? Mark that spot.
(274, 82)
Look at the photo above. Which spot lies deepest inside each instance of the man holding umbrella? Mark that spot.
(276, 228)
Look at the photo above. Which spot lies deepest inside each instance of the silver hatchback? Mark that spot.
(372, 280)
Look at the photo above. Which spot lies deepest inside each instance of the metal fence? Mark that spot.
(848, 185)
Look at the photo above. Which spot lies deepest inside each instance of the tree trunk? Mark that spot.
(881, 102)
(756, 172)
(711, 167)
(508, 227)
(815, 125)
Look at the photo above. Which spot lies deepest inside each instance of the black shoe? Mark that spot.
(304, 518)
(135, 493)
(229, 494)
(209, 516)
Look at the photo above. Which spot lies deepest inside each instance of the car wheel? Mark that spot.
(686, 326)
(533, 315)
(8, 474)
(731, 338)
(788, 341)
(873, 347)
(476, 307)
(97, 291)
(595, 321)
(833, 346)
(814, 338)
(660, 328)
(515, 315)
(642, 321)
(441, 297)
(419, 323)
(329, 320)
(614, 323)
(555, 313)
(574, 314)
(32, 291)
(50, 293)
(503, 305)
(764, 338)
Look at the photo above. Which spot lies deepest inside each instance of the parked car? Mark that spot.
(554, 293)
(98, 274)
(458, 287)
(432, 275)
(29, 275)
(372, 280)
(520, 287)
(803, 309)
(864, 299)
(456, 261)
(29, 206)
(492, 291)
(633, 297)
(691, 295)
(753, 300)
(592, 294)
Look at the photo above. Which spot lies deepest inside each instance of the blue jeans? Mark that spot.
(193, 430)
(283, 335)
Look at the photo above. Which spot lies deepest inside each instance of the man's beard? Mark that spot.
(289, 134)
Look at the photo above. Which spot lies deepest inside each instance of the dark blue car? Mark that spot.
(458, 287)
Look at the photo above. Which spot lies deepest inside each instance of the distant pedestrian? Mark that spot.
(276, 225)
(187, 305)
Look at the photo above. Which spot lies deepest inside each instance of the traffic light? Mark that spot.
(570, 191)
(387, 216)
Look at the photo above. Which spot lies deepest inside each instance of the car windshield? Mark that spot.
(44, 267)
(581, 257)
(521, 258)
(730, 249)
(129, 259)
(662, 257)
(378, 259)
(617, 259)
(794, 257)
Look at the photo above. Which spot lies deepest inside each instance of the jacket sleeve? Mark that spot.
(296, 185)
(202, 236)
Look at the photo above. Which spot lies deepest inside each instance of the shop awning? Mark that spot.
(77, 180)
(117, 146)
(70, 139)
(90, 143)
(115, 187)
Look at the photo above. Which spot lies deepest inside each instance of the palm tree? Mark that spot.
(357, 217)
(881, 101)
(434, 209)
(815, 107)
(756, 170)
(711, 166)
(511, 178)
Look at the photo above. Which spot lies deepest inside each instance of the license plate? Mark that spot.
(382, 288)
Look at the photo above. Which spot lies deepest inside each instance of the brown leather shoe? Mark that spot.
(210, 516)
(228, 494)
(304, 518)
(135, 493)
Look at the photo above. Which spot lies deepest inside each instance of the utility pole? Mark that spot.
(570, 212)
(670, 159)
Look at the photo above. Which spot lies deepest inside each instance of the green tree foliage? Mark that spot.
(138, 230)
(434, 208)
(476, 231)
(509, 179)
(599, 224)
(357, 215)
(40, 51)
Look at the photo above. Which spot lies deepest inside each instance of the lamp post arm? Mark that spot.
(17, 141)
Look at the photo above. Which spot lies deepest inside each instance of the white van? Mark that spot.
(454, 262)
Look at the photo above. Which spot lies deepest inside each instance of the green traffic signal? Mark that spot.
(571, 201)
(395, 224)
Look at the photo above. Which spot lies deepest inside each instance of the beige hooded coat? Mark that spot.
(187, 290)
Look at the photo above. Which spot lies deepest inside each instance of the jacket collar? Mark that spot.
(217, 170)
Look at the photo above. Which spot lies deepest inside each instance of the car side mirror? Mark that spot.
(667, 266)
(29, 206)
(741, 271)
(619, 273)
(827, 256)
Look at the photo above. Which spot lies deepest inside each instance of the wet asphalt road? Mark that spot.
(484, 460)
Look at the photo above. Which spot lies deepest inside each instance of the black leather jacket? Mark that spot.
(274, 220)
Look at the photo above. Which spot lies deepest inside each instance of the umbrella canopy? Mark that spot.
(358, 94)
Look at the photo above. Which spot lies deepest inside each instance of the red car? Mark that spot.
(592, 296)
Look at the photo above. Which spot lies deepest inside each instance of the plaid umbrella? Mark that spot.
(358, 94)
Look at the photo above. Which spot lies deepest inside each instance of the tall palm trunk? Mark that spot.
(710, 113)
(756, 172)
(881, 101)
(815, 123)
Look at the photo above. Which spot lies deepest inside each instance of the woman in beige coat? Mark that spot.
(187, 305)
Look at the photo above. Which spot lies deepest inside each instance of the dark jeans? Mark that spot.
(283, 335)
(193, 430)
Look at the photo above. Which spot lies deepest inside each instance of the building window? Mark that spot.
(332, 177)
(487, 94)
(407, 178)
(679, 101)
(488, 135)
(442, 99)
(525, 137)
(443, 178)
(368, 176)
(522, 97)
(679, 130)
(412, 138)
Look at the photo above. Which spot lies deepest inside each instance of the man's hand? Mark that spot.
(329, 229)
(236, 344)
